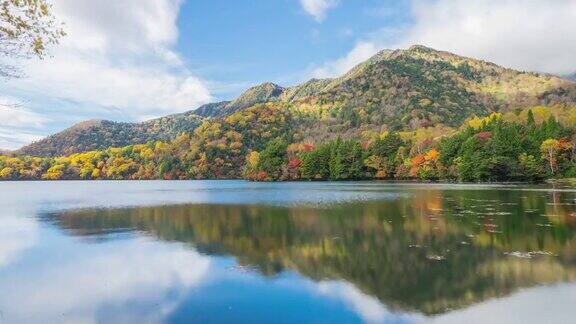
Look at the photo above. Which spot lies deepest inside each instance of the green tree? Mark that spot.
(273, 157)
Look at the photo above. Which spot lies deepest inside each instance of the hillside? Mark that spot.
(420, 87)
(395, 90)
(266, 92)
(99, 134)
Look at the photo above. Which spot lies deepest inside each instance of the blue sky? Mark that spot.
(239, 45)
(133, 60)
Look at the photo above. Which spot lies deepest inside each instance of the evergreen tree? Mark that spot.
(272, 158)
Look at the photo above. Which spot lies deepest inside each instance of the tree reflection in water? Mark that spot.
(430, 252)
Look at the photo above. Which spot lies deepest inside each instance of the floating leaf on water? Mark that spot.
(498, 214)
(529, 255)
(518, 254)
(243, 268)
(435, 257)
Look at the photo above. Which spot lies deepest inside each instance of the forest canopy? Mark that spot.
(261, 143)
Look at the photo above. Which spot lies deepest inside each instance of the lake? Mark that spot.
(324, 252)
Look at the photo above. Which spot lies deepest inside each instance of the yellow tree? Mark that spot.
(378, 164)
(252, 160)
(550, 149)
(26, 28)
(54, 173)
(6, 173)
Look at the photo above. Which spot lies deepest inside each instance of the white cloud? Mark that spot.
(12, 113)
(523, 34)
(318, 8)
(118, 56)
(135, 89)
(361, 52)
(529, 35)
(13, 118)
(11, 139)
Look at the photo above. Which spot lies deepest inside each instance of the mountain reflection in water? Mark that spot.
(429, 252)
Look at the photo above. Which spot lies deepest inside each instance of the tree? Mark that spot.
(378, 165)
(531, 122)
(272, 158)
(315, 163)
(345, 160)
(27, 27)
(550, 148)
(529, 167)
(251, 164)
(6, 173)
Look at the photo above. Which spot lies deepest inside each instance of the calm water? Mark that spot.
(232, 251)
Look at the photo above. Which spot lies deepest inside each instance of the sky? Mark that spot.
(134, 60)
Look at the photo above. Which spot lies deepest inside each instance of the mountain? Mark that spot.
(394, 90)
(266, 92)
(571, 77)
(98, 134)
(101, 134)
(420, 87)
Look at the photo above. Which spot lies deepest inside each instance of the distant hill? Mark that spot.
(98, 134)
(571, 77)
(395, 90)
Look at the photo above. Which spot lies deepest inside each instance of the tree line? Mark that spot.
(259, 144)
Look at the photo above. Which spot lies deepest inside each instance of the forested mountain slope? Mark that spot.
(100, 134)
(400, 90)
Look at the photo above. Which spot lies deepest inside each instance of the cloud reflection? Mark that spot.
(132, 281)
(367, 307)
(16, 235)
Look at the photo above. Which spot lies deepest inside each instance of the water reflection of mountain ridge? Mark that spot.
(434, 251)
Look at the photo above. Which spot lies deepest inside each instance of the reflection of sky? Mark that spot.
(65, 279)
(50, 196)
(46, 276)
(61, 279)
(16, 235)
(60, 195)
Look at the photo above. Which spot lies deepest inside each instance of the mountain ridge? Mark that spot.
(395, 89)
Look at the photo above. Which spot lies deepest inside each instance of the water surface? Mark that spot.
(234, 251)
